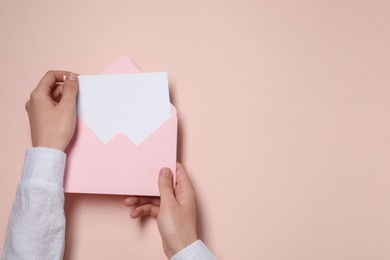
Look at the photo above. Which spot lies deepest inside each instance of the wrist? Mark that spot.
(55, 147)
(49, 144)
(180, 245)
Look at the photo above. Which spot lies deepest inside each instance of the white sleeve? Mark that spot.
(195, 251)
(36, 225)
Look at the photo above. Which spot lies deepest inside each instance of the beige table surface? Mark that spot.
(284, 118)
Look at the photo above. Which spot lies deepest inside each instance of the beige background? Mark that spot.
(284, 118)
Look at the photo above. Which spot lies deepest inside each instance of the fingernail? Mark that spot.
(72, 76)
(165, 172)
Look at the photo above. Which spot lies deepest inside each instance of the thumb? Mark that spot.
(69, 89)
(165, 185)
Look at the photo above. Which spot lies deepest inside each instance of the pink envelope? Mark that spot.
(120, 166)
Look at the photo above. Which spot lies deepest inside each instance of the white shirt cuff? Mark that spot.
(195, 251)
(44, 165)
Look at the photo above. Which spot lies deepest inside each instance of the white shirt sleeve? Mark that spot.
(36, 225)
(195, 251)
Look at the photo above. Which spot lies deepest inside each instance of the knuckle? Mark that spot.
(156, 201)
(147, 209)
(179, 166)
(135, 200)
(34, 96)
(49, 72)
(27, 105)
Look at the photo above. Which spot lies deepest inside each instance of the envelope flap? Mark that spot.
(122, 66)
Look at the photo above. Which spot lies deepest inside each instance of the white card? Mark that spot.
(133, 104)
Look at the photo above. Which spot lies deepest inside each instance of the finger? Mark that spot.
(145, 210)
(183, 183)
(165, 185)
(50, 79)
(69, 89)
(138, 201)
(131, 201)
(57, 92)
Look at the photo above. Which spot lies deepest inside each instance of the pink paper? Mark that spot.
(120, 167)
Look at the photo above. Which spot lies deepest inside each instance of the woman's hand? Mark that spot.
(175, 210)
(52, 110)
